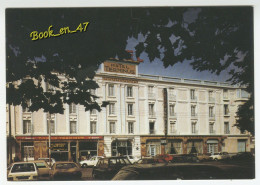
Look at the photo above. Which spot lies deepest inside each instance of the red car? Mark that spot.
(164, 157)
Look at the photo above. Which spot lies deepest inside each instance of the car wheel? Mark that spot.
(84, 165)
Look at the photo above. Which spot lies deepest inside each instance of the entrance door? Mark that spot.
(152, 150)
(241, 146)
(212, 148)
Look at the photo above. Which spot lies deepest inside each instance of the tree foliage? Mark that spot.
(214, 38)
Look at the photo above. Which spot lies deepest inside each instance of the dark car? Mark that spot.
(164, 171)
(65, 170)
(150, 160)
(106, 168)
(184, 158)
(243, 156)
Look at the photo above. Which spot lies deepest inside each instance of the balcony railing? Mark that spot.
(151, 131)
(212, 116)
(151, 96)
(193, 99)
(173, 131)
(172, 97)
(152, 115)
(194, 115)
(194, 131)
(227, 132)
(225, 97)
(211, 100)
(173, 115)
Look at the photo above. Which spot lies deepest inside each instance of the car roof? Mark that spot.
(23, 162)
(63, 162)
(121, 157)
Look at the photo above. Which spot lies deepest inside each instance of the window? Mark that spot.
(193, 127)
(172, 113)
(28, 103)
(27, 150)
(151, 128)
(225, 93)
(73, 127)
(192, 94)
(130, 127)
(151, 109)
(193, 110)
(93, 112)
(211, 111)
(211, 98)
(150, 92)
(111, 90)
(226, 128)
(72, 108)
(226, 110)
(211, 128)
(112, 109)
(171, 91)
(52, 123)
(130, 109)
(112, 128)
(129, 91)
(172, 127)
(93, 127)
(93, 91)
(27, 127)
(242, 94)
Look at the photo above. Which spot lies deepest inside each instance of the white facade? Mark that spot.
(135, 117)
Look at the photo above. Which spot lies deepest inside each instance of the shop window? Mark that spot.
(130, 127)
(226, 128)
(129, 91)
(73, 127)
(112, 109)
(111, 90)
(27, 127)
(194, 146)
(112, 127)
(174, 147)
(241, 146)
(52, 128)
(72, 108)
(130, 109)
(93, 127)
(212, 146)
(120, 148)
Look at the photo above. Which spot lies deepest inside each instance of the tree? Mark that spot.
(215, 39)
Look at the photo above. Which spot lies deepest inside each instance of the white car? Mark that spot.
(90, 162)
(23, 171)
(219, 156)
(132, 159)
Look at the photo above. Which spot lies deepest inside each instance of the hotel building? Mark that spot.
(147, 115)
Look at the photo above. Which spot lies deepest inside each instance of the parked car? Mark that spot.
(132, 159)
(184, 158)
(150, 160)
(90, 162)
(106, 168)
(43, 170)
(219, 156)
(65, 170)
(48, 161)
(20, 171)
(243, 156)
(164, 157)
(169, 171)
(204, 157)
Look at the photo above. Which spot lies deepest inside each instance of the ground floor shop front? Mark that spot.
(63, 148)
(155, 145)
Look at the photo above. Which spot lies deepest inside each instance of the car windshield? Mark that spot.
(25, 167)
(40, 165)
(66, 166)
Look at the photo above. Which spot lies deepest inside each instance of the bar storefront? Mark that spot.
(63, 148)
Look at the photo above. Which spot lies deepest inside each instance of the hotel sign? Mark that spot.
(120, 80)
(119, 68)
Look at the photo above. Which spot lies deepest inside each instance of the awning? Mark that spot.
(212, 141)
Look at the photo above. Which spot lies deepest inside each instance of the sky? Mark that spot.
(179, 70)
